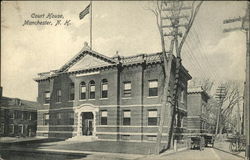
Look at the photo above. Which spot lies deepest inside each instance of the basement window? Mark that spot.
(125, 137)
(151, 137)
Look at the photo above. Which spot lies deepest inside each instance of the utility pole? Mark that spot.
(245, 28)
(238, 115)
(168, 18)
(220, 95)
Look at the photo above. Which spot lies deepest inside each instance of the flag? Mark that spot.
(84, 12)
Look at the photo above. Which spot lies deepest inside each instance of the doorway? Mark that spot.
(87, 123)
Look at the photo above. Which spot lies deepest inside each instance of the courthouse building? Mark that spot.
(106, 98)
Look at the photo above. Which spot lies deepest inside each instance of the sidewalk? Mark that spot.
(224, 146)
(20, 140)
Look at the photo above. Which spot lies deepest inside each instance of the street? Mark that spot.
(206, 154)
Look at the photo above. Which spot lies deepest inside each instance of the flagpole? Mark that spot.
(90, 36)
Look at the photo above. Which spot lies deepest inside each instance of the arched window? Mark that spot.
(72, 92)
(104, 88)
(92, 89)
(82, 90)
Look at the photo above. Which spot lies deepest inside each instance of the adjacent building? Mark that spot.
(107, 98)
(17, 117)
(198, 117)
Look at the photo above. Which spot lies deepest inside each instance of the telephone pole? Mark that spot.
(220, 95)
(245, 28)
(168, 21)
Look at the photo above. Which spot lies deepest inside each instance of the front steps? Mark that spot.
(83, 138)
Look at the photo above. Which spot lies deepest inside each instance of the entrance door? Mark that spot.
(90, 127)
(87, 123)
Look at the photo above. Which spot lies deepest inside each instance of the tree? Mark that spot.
(233, 95)
(173, 18)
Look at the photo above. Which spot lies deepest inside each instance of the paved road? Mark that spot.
(207, 154)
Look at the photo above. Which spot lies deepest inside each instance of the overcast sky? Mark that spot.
(121, 26)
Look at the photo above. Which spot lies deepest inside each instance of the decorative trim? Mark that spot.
(104, 106)
(45, 126)
(107, 126)
(152, 96)
(87, 74)
(114, 140)
(129, 133)
(126, 97)
(103, 98)
(70, 132)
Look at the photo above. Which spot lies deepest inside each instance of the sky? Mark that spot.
(123, 26)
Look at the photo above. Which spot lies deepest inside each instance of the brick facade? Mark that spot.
(131, 86)
(17, 117)
(197, 110)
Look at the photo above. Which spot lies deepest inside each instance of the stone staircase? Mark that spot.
(82, 138)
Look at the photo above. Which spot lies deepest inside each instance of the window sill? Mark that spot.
(126, 97)
(152, 97)
(71, 100)
(91, 99)
(46, 104)
(82, 100)
(58, 102)
(104, 98)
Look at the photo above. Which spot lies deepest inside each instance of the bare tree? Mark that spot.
(233, 95)
(168, 55)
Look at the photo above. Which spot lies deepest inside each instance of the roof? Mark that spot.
(102, 62)
(18, 104)
(198, 89)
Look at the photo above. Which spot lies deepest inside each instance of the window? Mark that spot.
(30, 116)
(11, 129)
(47, 97)
(25, 115)
(12, 114)
(83, 90)
(71, 118)
(58, 95)
(151, 137)
(15, 114)
(153, 88)
(2, 128)
(72, 92)
(126, 117)
(127, 89)
(182, 96)
(19, 115)
(46, 119)
(58, 118)
(125, 137)
(20, 129)
(176, 120)
(152, 117)
(104, 117)
(92, 90)
(182, 122)
(104, 88)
